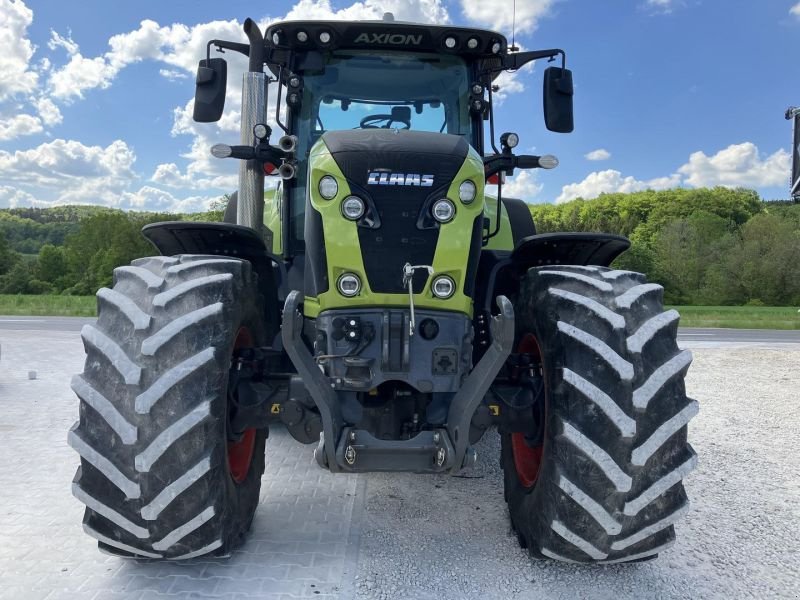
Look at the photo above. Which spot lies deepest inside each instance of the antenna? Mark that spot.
(514, 26)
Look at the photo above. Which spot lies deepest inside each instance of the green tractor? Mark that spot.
(380, 305)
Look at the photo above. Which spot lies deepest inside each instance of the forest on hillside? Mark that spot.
(715, 246)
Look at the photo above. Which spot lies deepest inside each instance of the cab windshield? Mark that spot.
(359, 90)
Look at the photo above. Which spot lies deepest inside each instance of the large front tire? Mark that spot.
(606, 483)
(161, 473)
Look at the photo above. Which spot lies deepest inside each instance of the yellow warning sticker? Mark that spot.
(494, 409)
(275, 409)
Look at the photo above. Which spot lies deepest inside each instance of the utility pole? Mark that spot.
(793, 114)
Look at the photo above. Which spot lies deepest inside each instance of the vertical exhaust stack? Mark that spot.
(250, 207)
(793, 114)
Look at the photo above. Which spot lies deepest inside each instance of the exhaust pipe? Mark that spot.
(288, 143)
(250, 207)
(287, 171)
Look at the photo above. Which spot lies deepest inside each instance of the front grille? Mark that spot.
(397, 241)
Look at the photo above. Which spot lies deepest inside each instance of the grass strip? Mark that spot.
(740, 317)
(47, 305)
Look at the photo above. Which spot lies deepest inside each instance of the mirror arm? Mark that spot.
(492, 165)
(514, 61)
(220, 44)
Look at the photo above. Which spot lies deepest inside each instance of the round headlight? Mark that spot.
(349, 285)
(353, 208)
(324, 37)
(496, 47)
(443, 210)
(328, 188)
(450, 42)
(260, 131)
(443, 287)
(302, 36)
(467, 191)
(472, 43)
(276, 38)
(477, 89)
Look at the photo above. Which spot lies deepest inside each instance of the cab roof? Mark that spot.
(384, 35)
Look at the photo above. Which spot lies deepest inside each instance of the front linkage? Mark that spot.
(347, 448)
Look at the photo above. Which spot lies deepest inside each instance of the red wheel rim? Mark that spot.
(527, 459)
(240, 454)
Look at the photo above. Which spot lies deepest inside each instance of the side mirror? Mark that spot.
(209, 92)
(558, 100)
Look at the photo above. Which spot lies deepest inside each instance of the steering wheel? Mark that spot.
(373, 122)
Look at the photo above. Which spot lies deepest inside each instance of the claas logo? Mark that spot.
(389, 178)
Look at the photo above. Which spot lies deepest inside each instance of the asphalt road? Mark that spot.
(689, 337)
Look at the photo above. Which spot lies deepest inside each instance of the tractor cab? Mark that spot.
(365, 76)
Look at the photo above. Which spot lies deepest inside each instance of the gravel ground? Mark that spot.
(442, 537)
(407, 536)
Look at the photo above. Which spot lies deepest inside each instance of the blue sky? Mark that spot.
(95, 97)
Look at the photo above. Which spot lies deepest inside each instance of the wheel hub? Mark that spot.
(240, 452)
(527, 456)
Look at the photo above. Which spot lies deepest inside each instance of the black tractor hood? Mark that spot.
(361, 153)
(400, 174)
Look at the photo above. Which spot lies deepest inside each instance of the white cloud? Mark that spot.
(737, 165)
(59, 41)
(71, 172)
(497, 14)
(48, 111)
(663, 7)
(609, 181)
(420, 11)
(11, 197)
(599, 154)
(509, 83)
(19, 125)
(795, 10)
(524, 185)
(154, 199)
(173, 74)
(176, 45)
(16, 77)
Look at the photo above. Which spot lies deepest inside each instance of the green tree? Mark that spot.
(762, 265)
(51, 267)
(683, 251)
(104, 241)
(7, 256)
